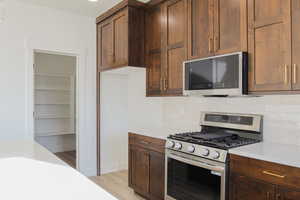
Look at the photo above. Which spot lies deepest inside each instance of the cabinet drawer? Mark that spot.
(146, 142)
(266, 171)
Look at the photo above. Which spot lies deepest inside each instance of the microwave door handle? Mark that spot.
(197, 163)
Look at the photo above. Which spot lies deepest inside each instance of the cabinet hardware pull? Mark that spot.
(285, 74)
(144, 142)
(210, 45)
(295, 73)
(166, 84)
(161, 84)
(273, 174)
(216, 43)
(268, 195)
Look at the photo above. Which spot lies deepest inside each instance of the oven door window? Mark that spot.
(188, 182)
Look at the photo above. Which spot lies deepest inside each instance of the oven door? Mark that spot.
(192, 178)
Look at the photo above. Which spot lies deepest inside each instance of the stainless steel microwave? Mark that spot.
(224, 75)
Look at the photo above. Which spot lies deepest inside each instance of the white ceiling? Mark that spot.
(82, 7)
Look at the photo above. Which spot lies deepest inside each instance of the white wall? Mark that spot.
(114, 122)
(28, 27)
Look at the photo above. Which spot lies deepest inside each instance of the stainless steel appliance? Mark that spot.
(225, 75)
(197, 162)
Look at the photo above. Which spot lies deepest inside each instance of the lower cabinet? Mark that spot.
(157, 176)
(260, 180)
(140, 170)
(244, 188)
(147, 166)
(288, 194)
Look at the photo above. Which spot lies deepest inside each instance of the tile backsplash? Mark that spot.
(281, 114)
(163, 116)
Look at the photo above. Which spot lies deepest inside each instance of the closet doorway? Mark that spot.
(55, 104)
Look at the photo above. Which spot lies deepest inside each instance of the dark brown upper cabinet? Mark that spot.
(153, 50)
(296, 45)
(174, 45)
(230, 26)
(120, 36)
(105, 44)
(200, 28)
(166, 47)
(270, 45)
(216, 27)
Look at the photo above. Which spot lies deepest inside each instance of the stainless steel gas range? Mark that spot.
(197, 162)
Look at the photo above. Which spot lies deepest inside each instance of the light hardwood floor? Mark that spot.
(117, 184)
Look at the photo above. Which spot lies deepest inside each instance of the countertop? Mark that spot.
(273, 152)
(29, 171)
(159, 134)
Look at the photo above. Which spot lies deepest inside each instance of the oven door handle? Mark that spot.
(196, 163)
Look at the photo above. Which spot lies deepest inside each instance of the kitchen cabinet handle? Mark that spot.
(161, 84)
(295, 73)
(285, 74)
(273, 174)
(216, 44)
(144, 142)
(210, 45)
(268, 195)
(166, 84)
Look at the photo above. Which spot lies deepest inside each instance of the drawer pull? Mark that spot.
(286, 74)
(166, 84)
(295, 74)
(273, 174)
(143, 142)
(210, 45)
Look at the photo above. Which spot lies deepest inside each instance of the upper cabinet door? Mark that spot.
(153, 51)
(105, 45)
(120, 38)
(269, 45)
(296, 44)
(230, 26)
(174, 44)
(200, 28)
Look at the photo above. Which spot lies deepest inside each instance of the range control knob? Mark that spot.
(191, 149)
(215, 154)
(204, 152)
(178, 146)
(170, 144)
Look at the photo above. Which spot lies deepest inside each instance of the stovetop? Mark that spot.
(221, 140)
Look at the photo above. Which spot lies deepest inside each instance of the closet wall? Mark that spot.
(54, 96)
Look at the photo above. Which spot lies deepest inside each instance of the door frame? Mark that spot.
(80, 121)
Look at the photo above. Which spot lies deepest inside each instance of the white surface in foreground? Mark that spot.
(28, 171)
